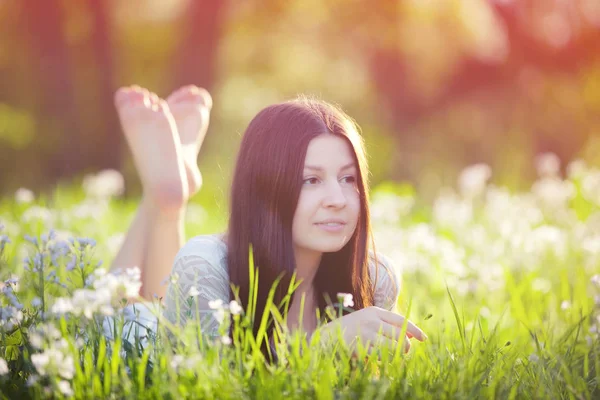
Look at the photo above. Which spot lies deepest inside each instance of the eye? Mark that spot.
(310, 181)
(350, 179)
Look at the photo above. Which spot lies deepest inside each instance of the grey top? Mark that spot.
(201, 264)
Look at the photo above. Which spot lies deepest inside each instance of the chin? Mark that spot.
(330, 246)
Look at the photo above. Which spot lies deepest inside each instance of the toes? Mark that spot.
(162, 105)
(122, 96)
(206, 98)
(127, 96)
(192, 94)
(154, 101)
(154, 98)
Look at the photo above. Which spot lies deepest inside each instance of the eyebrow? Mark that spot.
(316, 168)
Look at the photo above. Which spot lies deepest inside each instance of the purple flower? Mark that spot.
(71, 264)
(31, 239)
(84, 242)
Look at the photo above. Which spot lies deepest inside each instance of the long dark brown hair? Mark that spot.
(264, 195)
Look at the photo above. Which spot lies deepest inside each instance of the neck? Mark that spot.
(307, 264)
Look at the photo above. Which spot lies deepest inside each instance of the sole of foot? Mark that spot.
(152, 137)
(190, 107)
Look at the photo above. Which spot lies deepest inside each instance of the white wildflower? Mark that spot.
(590, 187)
(193, 292)
(62, 305)
(346, 299)
(473, 180)
(596, 280)
(547, 164)
(40, 362)
(37, 213)
(541, 285)
(234, 307)
(176, 361)
(90, 209)
(449, 210)
(24, 196)
(485, 312)
(565, 305)
(36, 340)
(219, 315)
(576, 169)
(114, 242)
(65, 388)
(387, 208)
(114, 287)
(226, 340)
(553, 192)
(67, 368)
(545, 239)
(53, 362)
(591, 244)
(215, 304)
(3, 366)
(104, 184)
(534, 357)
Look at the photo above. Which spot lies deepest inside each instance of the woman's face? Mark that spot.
(329, 203)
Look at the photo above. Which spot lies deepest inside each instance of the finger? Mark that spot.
(399, 320)
(392, 331)
(406, 344)
(380, 342)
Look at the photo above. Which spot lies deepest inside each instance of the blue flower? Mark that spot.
(31, 239)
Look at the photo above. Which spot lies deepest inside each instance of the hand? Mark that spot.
(373, 325)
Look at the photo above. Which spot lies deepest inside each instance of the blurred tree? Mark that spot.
(476, 70)
(55, 109)
(107, 155)
(195, 58)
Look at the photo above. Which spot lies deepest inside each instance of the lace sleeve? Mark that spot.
(210, 281)
(387, 283)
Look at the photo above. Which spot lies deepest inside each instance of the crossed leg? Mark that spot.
(165, 138)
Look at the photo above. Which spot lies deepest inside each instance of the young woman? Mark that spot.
(299, 197)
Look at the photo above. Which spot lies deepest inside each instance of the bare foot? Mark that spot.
(152, 137)
(190, 106)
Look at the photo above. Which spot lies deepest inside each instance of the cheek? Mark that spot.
(303, 210)
(354, 202)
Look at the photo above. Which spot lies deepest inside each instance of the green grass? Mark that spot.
(519, 319)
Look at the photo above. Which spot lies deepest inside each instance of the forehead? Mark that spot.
(329, 151)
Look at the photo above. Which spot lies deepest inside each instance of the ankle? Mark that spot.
(167, 198)
(162, 207)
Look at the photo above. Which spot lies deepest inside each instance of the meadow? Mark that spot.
(505, 284)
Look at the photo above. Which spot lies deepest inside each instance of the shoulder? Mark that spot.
(200, 265)
(203, 252)
(209, 247)
(386, 280)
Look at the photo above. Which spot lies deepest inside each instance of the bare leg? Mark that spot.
(131, 253)
(157, 231)
(190, 106)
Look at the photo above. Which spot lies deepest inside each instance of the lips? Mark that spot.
(332, 221)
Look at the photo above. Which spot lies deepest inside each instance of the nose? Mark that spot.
(334, 197)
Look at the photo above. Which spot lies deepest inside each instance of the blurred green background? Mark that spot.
(435, 85)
